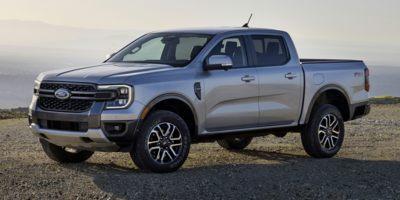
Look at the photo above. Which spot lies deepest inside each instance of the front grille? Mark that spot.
(47, 100)
(69, 105)
(68, 86)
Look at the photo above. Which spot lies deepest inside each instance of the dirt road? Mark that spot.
(367, 167)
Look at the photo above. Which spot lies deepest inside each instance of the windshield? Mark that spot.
(176, 49)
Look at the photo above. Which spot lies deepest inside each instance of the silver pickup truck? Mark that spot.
(166, 90)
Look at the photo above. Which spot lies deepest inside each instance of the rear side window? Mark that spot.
(270, 50)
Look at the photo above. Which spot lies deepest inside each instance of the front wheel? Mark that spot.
(162, 144)
(323, 136)
(64, 154)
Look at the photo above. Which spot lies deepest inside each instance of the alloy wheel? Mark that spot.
(164, 143)
(328, 131)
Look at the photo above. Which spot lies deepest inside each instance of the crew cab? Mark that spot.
(168, 89)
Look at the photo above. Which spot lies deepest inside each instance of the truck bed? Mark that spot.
(344, 75)
(316, 61)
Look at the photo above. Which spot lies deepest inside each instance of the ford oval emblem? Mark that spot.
(62, 94)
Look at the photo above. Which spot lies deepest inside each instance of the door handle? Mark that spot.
(290, 76)
(248, 78)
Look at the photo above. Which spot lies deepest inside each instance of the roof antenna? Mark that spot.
(246, 25)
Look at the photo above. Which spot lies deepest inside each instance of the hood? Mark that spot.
(107, 73)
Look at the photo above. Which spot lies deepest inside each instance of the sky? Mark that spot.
(365, 29)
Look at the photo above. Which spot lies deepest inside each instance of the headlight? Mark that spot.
(36, 87)
(124, 96)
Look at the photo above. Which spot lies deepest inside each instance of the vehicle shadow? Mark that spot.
(287, 177)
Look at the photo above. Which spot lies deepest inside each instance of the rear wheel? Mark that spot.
(236, 143)
(323, 136)
(163, 143)
(64, 154)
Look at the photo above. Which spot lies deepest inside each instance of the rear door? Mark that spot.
(232, 95)
(280, 81)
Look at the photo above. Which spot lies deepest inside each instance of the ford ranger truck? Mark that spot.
(166, 90)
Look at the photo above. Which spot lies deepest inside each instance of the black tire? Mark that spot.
(320, 142)
(149, 160)
(236, 143)
(59, 154)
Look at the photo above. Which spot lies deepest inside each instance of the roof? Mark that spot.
(215, 30)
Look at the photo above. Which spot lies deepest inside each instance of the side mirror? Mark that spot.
(218, 62)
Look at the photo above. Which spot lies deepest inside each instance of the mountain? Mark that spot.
(30, 46)
(41, 34)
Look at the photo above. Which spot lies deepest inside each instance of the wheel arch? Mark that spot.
(177, 103)
(343, 102)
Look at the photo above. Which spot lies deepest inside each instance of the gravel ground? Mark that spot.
(367, 167)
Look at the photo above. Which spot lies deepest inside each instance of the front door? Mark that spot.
(231, 96)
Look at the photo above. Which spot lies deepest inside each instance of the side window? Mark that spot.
(234, 48)
(269, 50)
(189, 47)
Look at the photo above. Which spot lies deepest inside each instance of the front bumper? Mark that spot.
(89, 129)
(93, 139)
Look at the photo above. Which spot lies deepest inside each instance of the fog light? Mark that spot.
(115, 128)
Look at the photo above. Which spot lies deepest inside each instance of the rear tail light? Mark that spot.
(366, 76)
